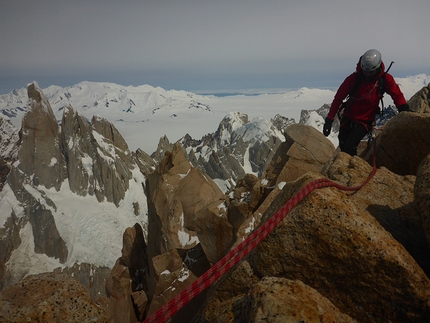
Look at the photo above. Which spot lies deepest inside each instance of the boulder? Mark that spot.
(49, 297)
(389, 198)
(283, 300)
(305, 149)
(402, 144)
(245, 298)
(171, 277)
(214, 230)
(91, 276)
(332, 242)
(419, 102)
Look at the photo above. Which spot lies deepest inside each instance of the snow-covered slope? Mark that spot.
(92, 230)
(144, 114)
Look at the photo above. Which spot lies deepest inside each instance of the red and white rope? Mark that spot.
(244, 248)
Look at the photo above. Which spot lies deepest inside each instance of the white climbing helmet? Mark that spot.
(371, 60)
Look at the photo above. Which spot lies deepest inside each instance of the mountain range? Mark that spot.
(144, 114)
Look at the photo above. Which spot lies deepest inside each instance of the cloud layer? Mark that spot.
(196, 45)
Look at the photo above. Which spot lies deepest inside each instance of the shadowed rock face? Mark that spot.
(40, 153)
(422, 195)
(97, 157)
(402, 144)
(127, 284)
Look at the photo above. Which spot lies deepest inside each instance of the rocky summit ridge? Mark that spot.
(338, 256)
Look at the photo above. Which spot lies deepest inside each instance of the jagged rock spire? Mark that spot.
(40, 155)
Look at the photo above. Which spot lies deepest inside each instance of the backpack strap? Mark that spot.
(381, 87)
(381, 91)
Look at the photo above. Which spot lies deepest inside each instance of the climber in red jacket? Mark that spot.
(363, 90)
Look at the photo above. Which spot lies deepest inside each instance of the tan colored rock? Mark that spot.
(171, 277)
(91, 276)
(310, 139)
(306, 149)
(214, 230)
(243, 297)
(253, 221)
(140, 300)
(402, 144)
(419, 102)
(127, 285)
(238, 212)
(49, 297)
(389, 198)
(176, 192)
(119, 290)
(332, 242)
(246, 198)
(279, 300)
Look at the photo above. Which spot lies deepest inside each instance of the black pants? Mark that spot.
(350, 135)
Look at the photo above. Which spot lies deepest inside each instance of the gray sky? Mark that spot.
(207, 45)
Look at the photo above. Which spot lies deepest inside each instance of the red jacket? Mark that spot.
(364, 104)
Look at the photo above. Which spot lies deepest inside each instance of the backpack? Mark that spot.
(381, 91)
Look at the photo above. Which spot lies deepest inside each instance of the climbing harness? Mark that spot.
(245, 247)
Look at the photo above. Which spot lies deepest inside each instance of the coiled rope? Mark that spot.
(245, 247)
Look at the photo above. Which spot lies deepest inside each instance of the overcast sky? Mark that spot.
(208, 44)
